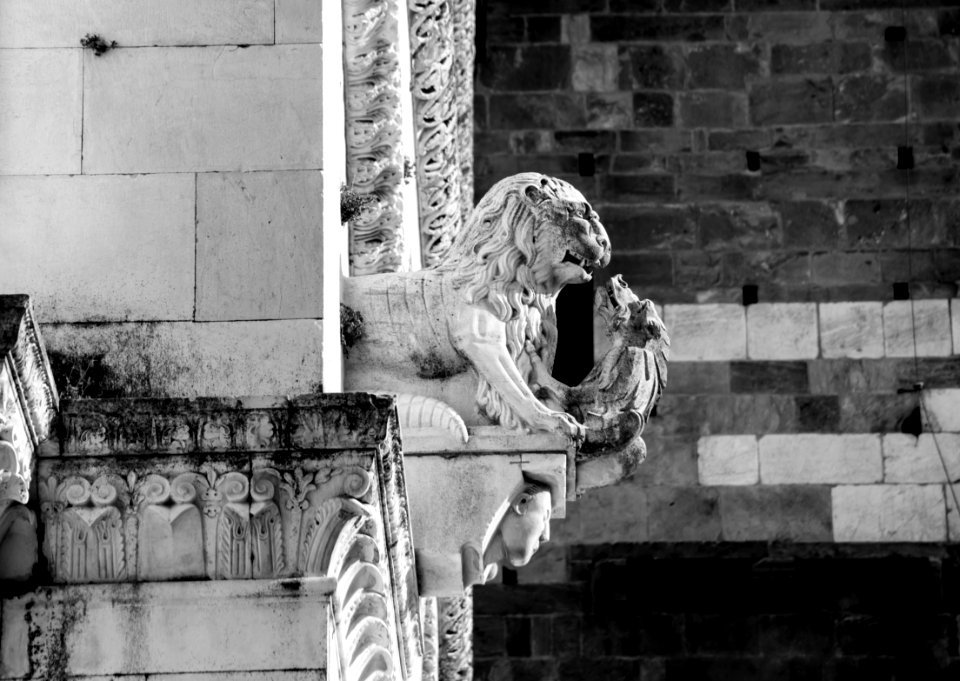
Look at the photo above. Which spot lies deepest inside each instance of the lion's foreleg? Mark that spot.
(482, 338)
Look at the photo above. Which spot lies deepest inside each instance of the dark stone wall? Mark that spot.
(659, 612)
(733, 143)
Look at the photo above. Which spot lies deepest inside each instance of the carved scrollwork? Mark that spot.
(442, 49)
(373, 125)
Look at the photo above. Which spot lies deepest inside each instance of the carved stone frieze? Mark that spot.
(455, 624)
(442, 53)
(164, 426)
(375, 163)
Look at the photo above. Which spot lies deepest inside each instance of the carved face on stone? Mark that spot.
(524, 527)
(570, 241)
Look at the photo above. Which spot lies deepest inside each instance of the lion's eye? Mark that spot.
(575, 211)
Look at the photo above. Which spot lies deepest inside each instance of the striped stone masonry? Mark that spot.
(800, 331)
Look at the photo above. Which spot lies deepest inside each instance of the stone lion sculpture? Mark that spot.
(462, 332)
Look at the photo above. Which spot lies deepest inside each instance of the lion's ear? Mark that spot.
(534, 193)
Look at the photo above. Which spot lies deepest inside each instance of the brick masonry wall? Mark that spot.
(743, 155)
(162, 202)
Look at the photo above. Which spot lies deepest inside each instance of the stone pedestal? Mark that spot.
(257, 496)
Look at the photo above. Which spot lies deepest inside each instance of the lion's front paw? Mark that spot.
(564, 423)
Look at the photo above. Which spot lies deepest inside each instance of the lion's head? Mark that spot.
(529, 236)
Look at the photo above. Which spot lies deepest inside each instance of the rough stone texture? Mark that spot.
(820, 459)
(728, 460)
(918, 459)
(197, 359)
(134, 261)
(778, 331)
(48, 85)
(776, 513)
(851, 330)
(151, 109)
(889, 513)
(916, 327)
(259, 245)
(62, 23)
(706, 332)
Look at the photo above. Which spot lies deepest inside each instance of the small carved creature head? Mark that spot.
(523, 528)
(625, 314)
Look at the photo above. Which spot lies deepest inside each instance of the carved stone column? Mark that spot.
(28, 407)
(442, 49)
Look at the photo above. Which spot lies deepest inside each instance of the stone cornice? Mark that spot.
(208, 425)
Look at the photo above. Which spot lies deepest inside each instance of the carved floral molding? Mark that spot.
(156, 490)
(373, 130)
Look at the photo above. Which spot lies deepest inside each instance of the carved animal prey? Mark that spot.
(460, 332)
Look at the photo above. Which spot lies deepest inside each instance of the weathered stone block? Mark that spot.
(889, 513)
(768, 377)
(766, 267)
(672, 462)
(852, 330)
(917, 459)
(722, 66)
(871, 97)
(608, 111)
(834, 376)
(209, 108)
(935, 95)
(614, 514)
(638, 187)
(40, 110)
(941, 410)
(728, 460)
(809, 224)
(531, 67)
(782, 331)
(892, 223)
(649, 67)
(839, 268)
(656, 140)
(645, 228)
(679, 514)
(785, 27)
(707, 332)
(820, 459)
(829, 58)
(62, 23)
(713, 110)
(548, 110)
(259, 243)
(818, 413)
(697, 378)
(620, 28)
(594, 68)
(206, 359)
(299, 21)
(952, 493)
(783, 102)
(776, 513)
(916, 327)
(652, 109)
(100, 248)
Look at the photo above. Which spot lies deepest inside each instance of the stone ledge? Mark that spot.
(80, 630)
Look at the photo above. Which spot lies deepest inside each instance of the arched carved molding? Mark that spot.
(373, 132)
(28, 397)
(442, 51)
(431, 640)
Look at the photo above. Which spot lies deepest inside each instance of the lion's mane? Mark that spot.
(492, 262)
